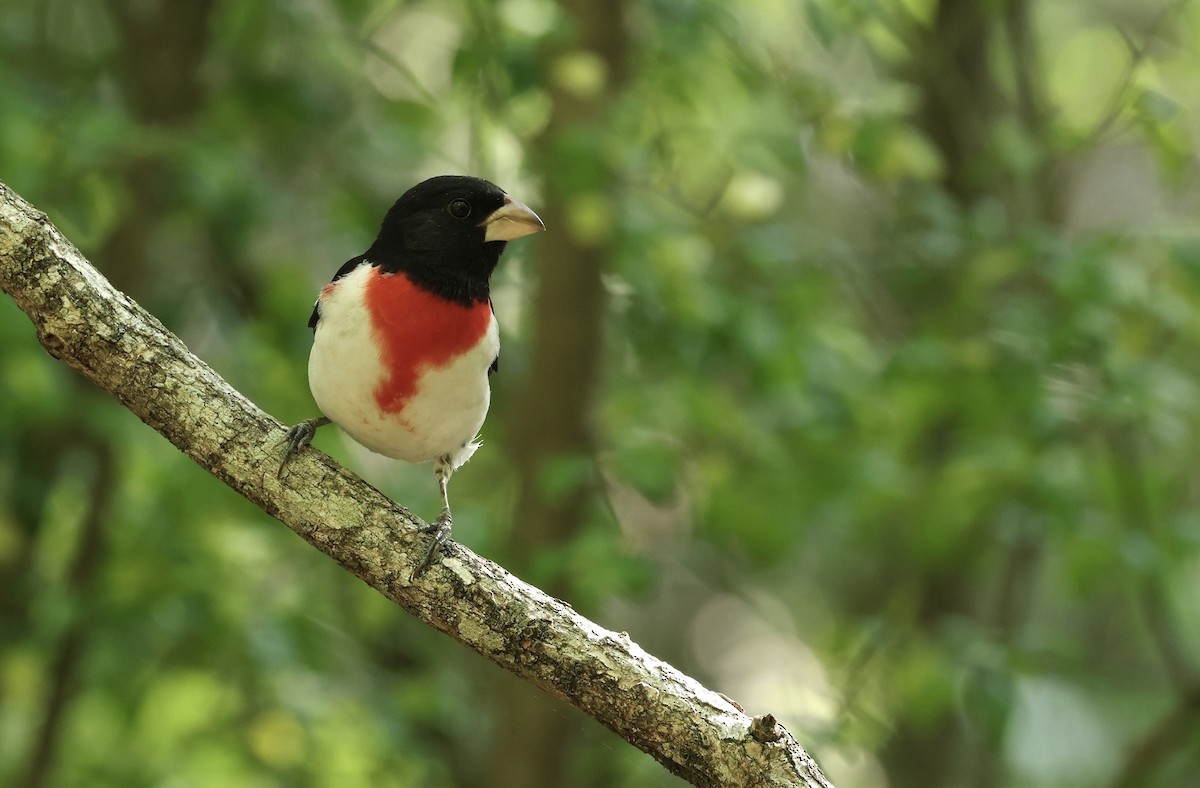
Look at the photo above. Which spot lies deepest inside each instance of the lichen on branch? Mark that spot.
(84, 321)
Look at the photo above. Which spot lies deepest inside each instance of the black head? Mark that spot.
(447, 234)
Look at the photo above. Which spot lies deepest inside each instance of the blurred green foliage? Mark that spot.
(896, 434)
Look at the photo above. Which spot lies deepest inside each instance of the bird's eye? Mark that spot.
(459, 209)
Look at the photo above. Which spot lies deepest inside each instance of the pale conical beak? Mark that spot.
(511, 220)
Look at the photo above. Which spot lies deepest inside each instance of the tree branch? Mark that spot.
(81, 319)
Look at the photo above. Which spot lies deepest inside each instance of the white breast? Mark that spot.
(443, 416)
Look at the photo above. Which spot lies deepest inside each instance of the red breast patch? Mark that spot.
(416, 330)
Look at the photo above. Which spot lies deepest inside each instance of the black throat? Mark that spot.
(463, 281)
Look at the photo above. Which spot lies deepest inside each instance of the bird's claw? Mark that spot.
(297, 438)
(440, 529)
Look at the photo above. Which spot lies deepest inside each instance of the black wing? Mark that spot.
(349, 266)
(495, 367)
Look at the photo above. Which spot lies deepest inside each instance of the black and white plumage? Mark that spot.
(405, 338)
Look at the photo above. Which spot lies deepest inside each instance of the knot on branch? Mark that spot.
(55, 345)
(765, 729)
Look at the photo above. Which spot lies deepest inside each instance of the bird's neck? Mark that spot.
(463, 281)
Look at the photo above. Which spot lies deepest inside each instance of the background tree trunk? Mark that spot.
(162, 46)
(552, 423)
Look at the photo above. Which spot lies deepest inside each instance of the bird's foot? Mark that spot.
(298, 437)
(440, 529)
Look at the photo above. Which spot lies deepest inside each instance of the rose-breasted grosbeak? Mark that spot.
(404, 337)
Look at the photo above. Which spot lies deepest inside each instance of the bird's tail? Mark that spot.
(460, 457)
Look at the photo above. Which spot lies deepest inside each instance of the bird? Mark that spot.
(405, 337)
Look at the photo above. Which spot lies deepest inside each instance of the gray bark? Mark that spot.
(82, 320)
